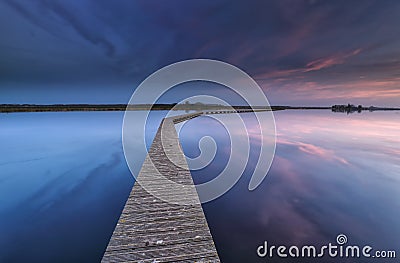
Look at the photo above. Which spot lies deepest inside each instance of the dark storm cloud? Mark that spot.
(30, 12)
(87, 33)
(280, 43)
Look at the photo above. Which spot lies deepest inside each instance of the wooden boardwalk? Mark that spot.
(154, 230)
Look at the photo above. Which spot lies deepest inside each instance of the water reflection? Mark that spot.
(331, 174)
(63, 185)
(64, 182)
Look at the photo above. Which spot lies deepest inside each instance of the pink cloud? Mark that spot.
(314, 150)
(314, 65)
(330, 61)
(367, 92)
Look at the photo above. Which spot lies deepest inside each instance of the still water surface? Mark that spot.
(64, 181)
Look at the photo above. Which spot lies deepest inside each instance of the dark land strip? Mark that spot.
(12, 108)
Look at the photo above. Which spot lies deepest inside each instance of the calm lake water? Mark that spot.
(64, 182)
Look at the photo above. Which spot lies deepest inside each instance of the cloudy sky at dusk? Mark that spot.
(300, 52)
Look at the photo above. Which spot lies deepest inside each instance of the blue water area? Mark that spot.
(332, 174)
(63, 184)
(64, 181)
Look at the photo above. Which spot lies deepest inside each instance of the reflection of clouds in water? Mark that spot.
(71, 199)
(58, 189)
(327, 178)
(317, 151)
(287, 190)
(363, 140)
(75, 210)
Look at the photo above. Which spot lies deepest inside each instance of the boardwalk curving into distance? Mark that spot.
(153, 230)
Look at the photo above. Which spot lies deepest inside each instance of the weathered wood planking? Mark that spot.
(153, 230)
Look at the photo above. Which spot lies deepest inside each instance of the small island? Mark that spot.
(350, 108)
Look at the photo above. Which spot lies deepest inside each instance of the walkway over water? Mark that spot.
(153, 230)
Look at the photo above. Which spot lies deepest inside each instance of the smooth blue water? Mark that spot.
(64, 181)
(63, 184)
(331, 174)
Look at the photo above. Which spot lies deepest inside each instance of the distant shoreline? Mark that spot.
(13, 108)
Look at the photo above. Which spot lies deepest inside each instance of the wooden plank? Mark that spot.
(154, 230)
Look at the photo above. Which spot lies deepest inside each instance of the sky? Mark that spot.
(310, 52)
